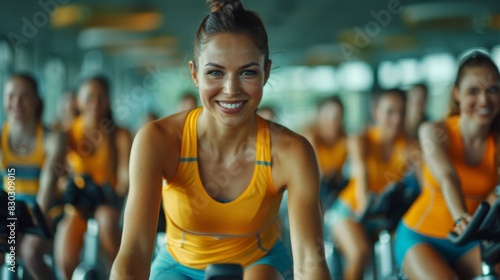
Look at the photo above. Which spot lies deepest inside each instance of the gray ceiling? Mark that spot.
(301, 32)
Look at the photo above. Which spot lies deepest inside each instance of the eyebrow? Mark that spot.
(222, 67)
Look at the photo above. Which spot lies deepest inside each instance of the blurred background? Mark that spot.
(319, 48)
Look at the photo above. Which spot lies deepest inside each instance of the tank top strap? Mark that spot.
(189, 146)
(496, 147)
(40, 137)
(452, 125)
(263, 148)
(4, 142)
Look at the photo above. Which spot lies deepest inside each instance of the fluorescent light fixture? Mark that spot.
(389, 74)
(355, 76)
(438, 68)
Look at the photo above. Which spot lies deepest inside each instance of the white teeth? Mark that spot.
(484, 111)
(231, 105)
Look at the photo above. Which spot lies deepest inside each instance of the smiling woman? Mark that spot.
(231, 77)
(460, 171)
(226, 171)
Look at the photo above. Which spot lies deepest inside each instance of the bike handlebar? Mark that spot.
(391, 204)
(484, 225)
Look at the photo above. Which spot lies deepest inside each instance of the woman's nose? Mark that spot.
(232, 85)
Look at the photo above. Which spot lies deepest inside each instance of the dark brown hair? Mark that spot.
(395, 91)
(423, 87)
(229, 16)
(335, 100)
(34, 85)
(103, 82)
(331, 99)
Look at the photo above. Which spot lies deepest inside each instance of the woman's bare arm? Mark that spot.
(143, 205)
(53, 168)
(306, 223)
(123, 144)
(356, 147)
(434, 146)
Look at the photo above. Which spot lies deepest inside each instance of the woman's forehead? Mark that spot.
(230, 48)
(17, 84)
(480, 76)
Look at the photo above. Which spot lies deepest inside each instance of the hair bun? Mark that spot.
(218, 5)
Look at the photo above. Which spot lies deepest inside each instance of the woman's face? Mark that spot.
(93, 100)
(329, 120)
(478, 94)
(20, 100)
(230, 74)
(389, 114)
(68, 106)
(416, 101)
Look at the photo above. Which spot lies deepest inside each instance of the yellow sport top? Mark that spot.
(380, 172)
(84, 160)
(201, 230)
(429, 214)
(27, 168)
(331, 158)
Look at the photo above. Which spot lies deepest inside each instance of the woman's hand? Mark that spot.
(461, 223)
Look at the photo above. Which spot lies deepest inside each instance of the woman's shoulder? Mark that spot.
(435, 131)
(287, 144)
(167, 130)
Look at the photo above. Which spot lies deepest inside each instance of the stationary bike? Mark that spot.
(484, 227)
(85, 195)
(384, 210)
(25, 219)
(224, 272)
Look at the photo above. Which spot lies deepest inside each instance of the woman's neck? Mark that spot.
(387, 139)
(90, 122)
(22, 129)
(471, 132)
(221, 139)
(327, 140)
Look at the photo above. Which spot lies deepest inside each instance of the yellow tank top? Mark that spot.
(429, 214)
(27, 168)
(201, 230)
(96, 163)
(331, 158)
(380, 173)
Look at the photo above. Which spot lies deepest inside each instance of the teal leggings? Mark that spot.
(166, 267)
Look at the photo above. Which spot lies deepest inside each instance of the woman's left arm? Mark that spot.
(53, 168)
(306, 223)
(496, 192)
(123, 146)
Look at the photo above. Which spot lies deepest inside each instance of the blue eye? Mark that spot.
(473, 91)
(494, 90)
(249, 73)
(214, 73)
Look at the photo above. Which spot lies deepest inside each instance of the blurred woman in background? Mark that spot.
(187, 102)
(98, 158)
(328, 137)
(68, 109)
(267, 112)
(379, 157)
(461, 170)
(416, 101)
(35, 155)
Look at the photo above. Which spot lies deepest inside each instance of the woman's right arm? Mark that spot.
(356, 147)
(434, 142)
(143, 205)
